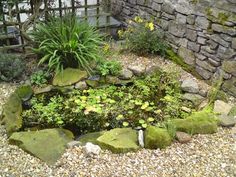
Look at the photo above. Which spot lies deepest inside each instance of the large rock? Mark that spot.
(119, 140)
(221, 107)
(69, 76)
(156, 138)
(12, 114)
(227, 121)
(230, 86)
(190, 86)
(187, 55)
(229, 66)
(194, 98)
(24, 92)
(90, 137)
(48, 144)
(202, 122)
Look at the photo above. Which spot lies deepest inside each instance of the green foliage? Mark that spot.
(109, 107)
(142, 37)
(110, 67)
(11, 66)
(66, 42)
(39, 78)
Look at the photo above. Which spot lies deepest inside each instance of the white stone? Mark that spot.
(91, 149)
(222, 107)
(141, 138)
(190, 86)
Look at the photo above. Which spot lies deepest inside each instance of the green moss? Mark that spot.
(180, 61)
(203, 122)
(223, 17)
(24, 92)
(90, 137)
(156, 138)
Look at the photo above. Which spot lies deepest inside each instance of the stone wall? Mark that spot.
(202, 32)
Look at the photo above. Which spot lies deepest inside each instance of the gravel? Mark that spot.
(206, 155)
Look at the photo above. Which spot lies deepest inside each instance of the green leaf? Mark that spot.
(125, 124)
(141, 121)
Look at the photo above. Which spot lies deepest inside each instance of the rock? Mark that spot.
(229, 66)
(232, 111)
(138, 70)
(156, 138)
(94, 78)
(194, 98)
(91, 149)
(25, 92)
(186, 109)
(92, 83)
(230, 86)
(112, 80)
(90, 137)
(11, 116)
(47, 144)
(187, 55)
(227, 121)
(43, 90)
(221, 107)
(223, 29)
(183, 137)
(202, 22)
(190, 86)
(203, 72)
(72, 144)
(177, 30)
(119, 140)
(201, 122)
(141, 138)
(69, 76)
(81, 85)
(126, 74)
(203, 104)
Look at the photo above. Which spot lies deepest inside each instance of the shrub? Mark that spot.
(142, 37)
(110, 67)
(66, 42)
(11, 66)
(39, 78)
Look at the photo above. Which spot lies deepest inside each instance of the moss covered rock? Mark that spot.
(156, 138)
(25, 92)
(119, 140)
(69, 76)
(12, 114)
(48, 144)
(202, 122)
(90, 137)
(92, 83)
(232, 111)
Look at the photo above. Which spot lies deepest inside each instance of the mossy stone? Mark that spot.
(48, 145)
(156, 138)
(12, 114)
(92, 83)
(90, 137)
(232, 112)
(119, 140)
(68, 77)
(25, 92)
(202, 122)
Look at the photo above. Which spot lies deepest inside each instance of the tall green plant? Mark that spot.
(67, 42)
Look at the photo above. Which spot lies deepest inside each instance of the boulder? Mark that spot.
(24, 92)
(183, 137)
(227, 121)
(202, 122)
(48, 145)
(68, 77)
(90, 137)
(156, 138)
(194, 98)
(11, 115)
(221, 107)
(190, 86)
(119, 140)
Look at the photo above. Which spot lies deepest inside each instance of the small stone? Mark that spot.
(183, 137)
(126, 74)
(91, 149)
(138, 70)
(141, 138)
(227, 121)
(43, 90)
(190, 86)
(222, 107)
(72, 144)
(81, 85)
(186, 109)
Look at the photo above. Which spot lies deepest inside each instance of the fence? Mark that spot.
(17, 18)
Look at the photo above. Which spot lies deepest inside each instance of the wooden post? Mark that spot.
(60, 8)
(20, 25)
(86, 10)
(98, 12)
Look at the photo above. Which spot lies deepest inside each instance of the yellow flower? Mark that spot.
(120, 33)
(151, 26)
(137, 19)
(106, 48)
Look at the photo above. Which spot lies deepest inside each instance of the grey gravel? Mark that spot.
(206, 155)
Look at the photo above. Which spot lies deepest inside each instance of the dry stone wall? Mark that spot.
(202, 32)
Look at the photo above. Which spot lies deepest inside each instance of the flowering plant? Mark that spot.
(142, 37)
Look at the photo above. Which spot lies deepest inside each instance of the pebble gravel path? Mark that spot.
(205, 156)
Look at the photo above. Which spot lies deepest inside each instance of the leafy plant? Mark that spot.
(66, 42)
(110, 67)
(11, 66)
(142, 37)
(39, 78)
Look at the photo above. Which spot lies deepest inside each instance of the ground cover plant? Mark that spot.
(148, 101)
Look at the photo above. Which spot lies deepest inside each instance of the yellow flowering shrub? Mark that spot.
(142, 37)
